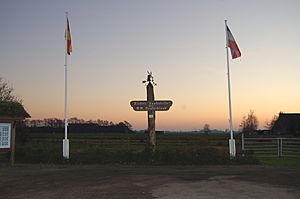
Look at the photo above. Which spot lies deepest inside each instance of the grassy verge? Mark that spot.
(174, 149)
(95, 155)
(281, 161)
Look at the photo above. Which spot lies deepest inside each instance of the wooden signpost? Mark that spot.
(151, 106)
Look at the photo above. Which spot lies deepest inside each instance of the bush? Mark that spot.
(246, 157)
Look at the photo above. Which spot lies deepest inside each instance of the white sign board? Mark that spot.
(5, 133)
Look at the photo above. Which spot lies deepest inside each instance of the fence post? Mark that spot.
(281, 146)
(278, 147)
(243, 144)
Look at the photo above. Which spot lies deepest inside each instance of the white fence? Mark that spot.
(272, 147)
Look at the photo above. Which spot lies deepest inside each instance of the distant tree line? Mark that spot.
(75, 125)
(57, 123)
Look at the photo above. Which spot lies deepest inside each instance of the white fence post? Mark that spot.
(243, 142)
(281, 146)
(278, 147)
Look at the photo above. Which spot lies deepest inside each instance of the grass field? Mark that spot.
(281, 161)
(117, 148)
(107, 148)
(134, 141)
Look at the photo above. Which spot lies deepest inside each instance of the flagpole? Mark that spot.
(232, 150)
(66, 141)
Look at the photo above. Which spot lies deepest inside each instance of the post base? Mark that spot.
(66, 148)
(232, 151)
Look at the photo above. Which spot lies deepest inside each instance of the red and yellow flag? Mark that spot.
(68, 38)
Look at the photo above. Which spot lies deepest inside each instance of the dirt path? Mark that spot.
(95, 181)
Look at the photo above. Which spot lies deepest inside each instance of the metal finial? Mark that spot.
(150, 79)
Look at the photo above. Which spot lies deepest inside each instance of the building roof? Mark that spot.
(287, 123)
(13, 110)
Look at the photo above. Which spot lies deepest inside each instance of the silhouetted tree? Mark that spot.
(75, 120)
(6, 93)
(269, 125)
(206, 128)
(105, 123)
(128, 124)
(249, 123)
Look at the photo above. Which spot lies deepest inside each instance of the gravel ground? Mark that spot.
(164, 182)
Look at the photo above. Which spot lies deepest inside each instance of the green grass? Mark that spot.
(160, 157)
(281, 161)
(51, 153)
(114, 148)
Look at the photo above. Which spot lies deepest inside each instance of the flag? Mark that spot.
(68, 38)
(231, 43)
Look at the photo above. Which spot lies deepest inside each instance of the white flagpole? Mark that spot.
(66, 141)
(232, 150)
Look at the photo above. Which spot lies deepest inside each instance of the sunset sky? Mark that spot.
(115, 43)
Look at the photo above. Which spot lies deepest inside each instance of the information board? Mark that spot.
(5, 133)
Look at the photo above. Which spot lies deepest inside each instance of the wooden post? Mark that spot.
(151, 106)
(13, 143)
(151, 119)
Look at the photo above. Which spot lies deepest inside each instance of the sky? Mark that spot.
(115, 43)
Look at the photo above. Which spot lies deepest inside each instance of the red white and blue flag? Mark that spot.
(231, 43)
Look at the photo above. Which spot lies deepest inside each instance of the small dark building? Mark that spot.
(10, 114)
(287, 124)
